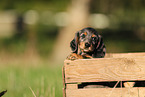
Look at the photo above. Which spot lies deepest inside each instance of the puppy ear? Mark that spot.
(74, 43)
(99, 41)
(100, 49)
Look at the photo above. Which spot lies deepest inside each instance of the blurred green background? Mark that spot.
(35, 36)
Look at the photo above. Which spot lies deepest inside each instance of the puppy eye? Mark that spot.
(83, 36)
(94, 38)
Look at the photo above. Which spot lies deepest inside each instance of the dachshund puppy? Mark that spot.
(87, 43)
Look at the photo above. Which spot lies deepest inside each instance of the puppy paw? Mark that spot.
(87, 56)
(74, 56)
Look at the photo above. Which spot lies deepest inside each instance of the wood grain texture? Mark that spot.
(114, 67)
(124, 55)
(104, 69)
(71, 86)
(106, 92)
(64, 85)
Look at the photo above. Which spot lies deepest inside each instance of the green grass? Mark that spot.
(18, 80)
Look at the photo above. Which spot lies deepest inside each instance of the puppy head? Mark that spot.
(85, 39)
(88, 39)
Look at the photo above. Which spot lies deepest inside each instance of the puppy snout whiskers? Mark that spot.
(87, 45)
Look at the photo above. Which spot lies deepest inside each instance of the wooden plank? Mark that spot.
(71, 86)
(142, 92)
(64, 92)
(125, 55)
(63, 76)
(104, 69)
(106, 92)
(64, 85)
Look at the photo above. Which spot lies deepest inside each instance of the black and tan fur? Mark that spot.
(87, 43)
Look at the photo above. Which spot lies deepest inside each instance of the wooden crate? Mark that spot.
(114, 67)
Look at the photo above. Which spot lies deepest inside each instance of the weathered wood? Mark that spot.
(141, 92)
(64, 92)
(124, 55)
(114, 67)
(104, 69)
(106, 92)
(64, 85)
(63, 76)
(72, 86)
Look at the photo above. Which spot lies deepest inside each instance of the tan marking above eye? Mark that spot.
(93, 35)
(85, 33)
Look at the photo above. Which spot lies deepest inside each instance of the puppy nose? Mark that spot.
(87, 45)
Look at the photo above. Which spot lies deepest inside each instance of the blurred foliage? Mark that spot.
(127, 12)
(13, 44)
(123, 34)
(122, 42)
(45, 34)
(46, 41)
(110, 6)
(24, 5)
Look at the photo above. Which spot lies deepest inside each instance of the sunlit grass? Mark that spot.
(20, 81)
